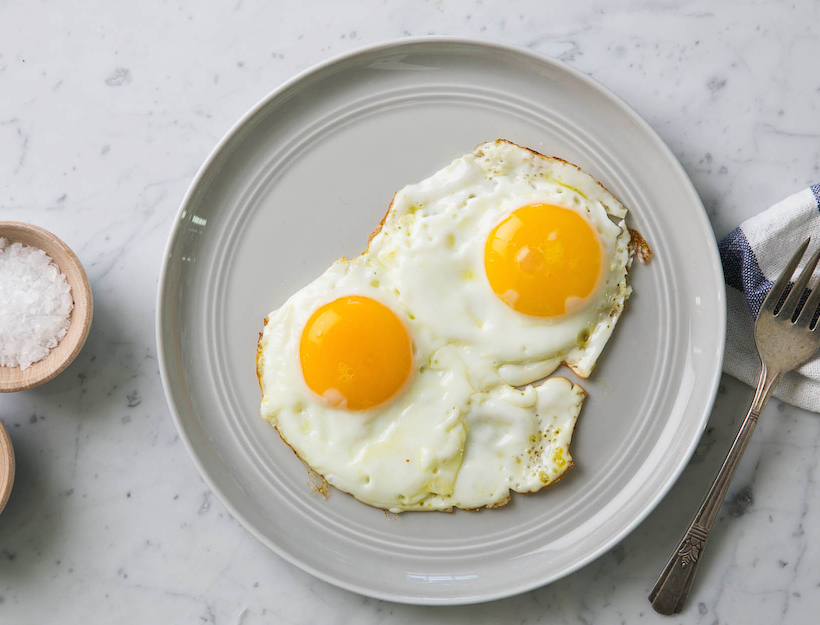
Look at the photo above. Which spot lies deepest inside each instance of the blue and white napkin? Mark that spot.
(753, 255)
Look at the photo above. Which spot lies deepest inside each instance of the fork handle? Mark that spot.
(675, 581)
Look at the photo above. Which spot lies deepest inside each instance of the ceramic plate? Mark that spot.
(303, 179)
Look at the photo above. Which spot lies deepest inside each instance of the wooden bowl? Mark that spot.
(6, 466)
(13, 378)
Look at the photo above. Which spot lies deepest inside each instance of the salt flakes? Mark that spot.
(35, 304)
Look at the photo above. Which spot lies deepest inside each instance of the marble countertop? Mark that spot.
(106, 112)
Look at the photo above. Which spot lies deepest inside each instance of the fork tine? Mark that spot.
(810, 307)
(776, 292)
(799, 288)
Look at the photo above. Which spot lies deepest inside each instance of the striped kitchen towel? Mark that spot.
(753, 255)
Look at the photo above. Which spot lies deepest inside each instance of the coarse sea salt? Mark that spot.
(35, 304)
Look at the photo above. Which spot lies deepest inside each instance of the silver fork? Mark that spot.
(783, 345)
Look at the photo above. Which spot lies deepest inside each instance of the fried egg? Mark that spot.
(519, 258)
(405, 376)
(377, 413)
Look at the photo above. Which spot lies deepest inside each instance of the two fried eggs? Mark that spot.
(404, 376)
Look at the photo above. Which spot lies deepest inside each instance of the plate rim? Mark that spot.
(496, 46)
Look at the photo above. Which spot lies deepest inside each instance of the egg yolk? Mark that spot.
(356, 353)
(543, 260)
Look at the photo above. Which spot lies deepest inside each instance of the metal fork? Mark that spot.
(783, 344)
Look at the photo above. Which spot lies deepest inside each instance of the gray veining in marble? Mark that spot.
(106, 112)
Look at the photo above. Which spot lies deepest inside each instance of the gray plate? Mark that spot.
(301, 180)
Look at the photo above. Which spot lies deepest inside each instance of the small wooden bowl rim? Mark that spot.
(12, 378)
(6, 467)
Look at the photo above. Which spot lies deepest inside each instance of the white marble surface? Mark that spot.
(106, 111)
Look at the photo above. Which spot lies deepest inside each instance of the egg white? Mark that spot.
(518, 440)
